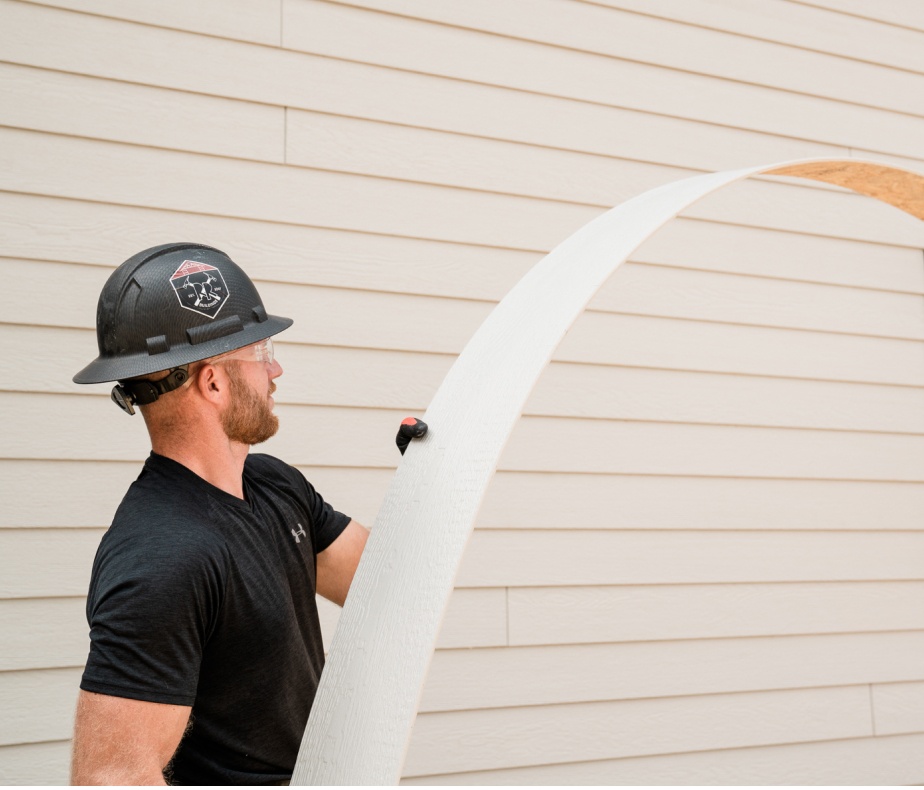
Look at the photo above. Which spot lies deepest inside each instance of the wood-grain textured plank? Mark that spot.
(792, 24)
(112, 172)
(247, 20)
(46, 563)
(43, 633)
(85, 494)
(474, 618)
(559, 674)
(377, 378)
(496, 558)
(562, 615)
(523, 500)
(277, 77)
(36, 763)
(52, 101)
(501, 738)
(75, 231)
(901, 13)
(96, 170)
(898, 708)
(77, 494)
(897, 760)
(420, 155)
(357, 437)
(38, 705)
(645, 46)
(636, 289)
(544, 558)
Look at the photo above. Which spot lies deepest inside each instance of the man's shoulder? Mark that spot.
(270, 468)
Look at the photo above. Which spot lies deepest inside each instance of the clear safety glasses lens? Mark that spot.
(258, 352)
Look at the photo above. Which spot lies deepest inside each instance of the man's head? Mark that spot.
(168, 307)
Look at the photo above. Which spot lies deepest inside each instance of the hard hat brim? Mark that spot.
(118, 368)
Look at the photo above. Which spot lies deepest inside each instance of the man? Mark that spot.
(205, 645)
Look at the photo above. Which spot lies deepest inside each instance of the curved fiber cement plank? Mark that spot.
(367, 700)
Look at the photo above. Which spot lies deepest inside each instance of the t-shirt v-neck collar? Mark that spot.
(161, 463)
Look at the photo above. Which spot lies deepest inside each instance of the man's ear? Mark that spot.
(211, 382)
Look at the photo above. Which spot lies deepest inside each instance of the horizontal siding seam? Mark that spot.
(609, 56)
(501, 86)
(138, 23)
(634, 12)
(843, 12)
(752, 36)
(616, 700)
(791, 636)
(629, 758)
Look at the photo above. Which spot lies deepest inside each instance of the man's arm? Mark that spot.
(337, 563)
(119, 741)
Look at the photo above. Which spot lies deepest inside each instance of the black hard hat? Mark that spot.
(171, 305)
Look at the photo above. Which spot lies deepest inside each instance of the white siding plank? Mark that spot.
(84, 427)
(898, 760)
(57, 562)
(277, 77)
(389, 150)
(36, 764)
(334, 376)
(901, 13)
(38, 705)
(653, 290)
(43, 633)
(248, 20)
(473, 740)
(63, 494)
(563, 615)
(544, 558)
(400, 152)
(599, 391)
(634, 49)
(95, 170)
(86, 494)
(474, 618)
(794, 24)
(364, 437)
(898, 708)
(46, 563)
(329, 316)
(653, 448)
(52, 101)
(548, 675)
(522, 500)
(635, 341)
(744, 250)
(73, 231)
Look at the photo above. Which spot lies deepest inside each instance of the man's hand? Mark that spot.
(411, 428)
(120, 741)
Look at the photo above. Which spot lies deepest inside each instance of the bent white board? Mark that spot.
(368, 696)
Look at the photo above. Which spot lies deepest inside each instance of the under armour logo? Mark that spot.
(301, 531)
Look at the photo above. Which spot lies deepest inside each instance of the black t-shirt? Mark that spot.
(200, 598)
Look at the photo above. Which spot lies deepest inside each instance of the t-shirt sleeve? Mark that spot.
(151, 605)
(326, 523)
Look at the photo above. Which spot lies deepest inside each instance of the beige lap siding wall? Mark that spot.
(702, 559)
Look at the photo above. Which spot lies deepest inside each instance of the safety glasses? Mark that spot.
(257, 352)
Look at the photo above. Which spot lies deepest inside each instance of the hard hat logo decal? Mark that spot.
(200, 288)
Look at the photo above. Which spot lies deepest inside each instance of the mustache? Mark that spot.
(272, 387)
